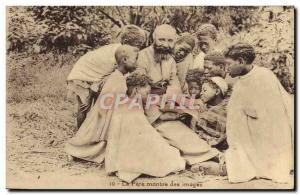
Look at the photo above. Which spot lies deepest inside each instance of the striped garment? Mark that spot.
(211, 125)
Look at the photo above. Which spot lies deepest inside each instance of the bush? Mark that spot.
(273, 40)
(77, 29)
(60, 29)
(45, 41)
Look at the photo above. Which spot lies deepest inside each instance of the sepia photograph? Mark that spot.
(150, 97)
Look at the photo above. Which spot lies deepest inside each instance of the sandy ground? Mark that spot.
(36, 132)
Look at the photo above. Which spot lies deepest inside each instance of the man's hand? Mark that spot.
(160, 87)
(169, 116)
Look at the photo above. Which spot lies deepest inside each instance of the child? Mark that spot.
(214, 65)
(134, 147)
(259, 123)
(194, 79)
(93, 131)
(88, 75)
(207, 37)
(210, 124)
(183, 57)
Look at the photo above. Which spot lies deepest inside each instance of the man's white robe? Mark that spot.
(259, 128)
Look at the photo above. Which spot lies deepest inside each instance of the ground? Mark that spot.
(36, 133)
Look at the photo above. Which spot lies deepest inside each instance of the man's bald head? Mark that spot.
(126, 57)
(165, 30)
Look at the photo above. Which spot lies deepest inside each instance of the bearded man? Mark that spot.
(157, 63)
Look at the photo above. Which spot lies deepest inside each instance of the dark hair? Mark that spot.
(133, 36)
(194, 75)
(241, 50)
(207, 30)
(137, 80)
(217, 58)
(187, 38)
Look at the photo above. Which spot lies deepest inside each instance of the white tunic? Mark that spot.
(259, 128)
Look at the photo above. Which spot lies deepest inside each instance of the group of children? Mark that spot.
(240, 122)
(254, 114)
(203, 76)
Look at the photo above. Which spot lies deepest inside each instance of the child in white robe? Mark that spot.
(259, 121)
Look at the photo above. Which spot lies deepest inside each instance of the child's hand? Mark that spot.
(201, 106)
(201, 122)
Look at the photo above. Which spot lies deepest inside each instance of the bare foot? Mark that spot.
(208, 168)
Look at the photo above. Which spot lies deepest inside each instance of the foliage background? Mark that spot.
(43, 42)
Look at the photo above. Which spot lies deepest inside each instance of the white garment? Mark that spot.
(199, 61)
(259, 129)
(95, 65)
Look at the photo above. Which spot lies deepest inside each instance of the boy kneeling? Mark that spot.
(210, 125)
(211, 122)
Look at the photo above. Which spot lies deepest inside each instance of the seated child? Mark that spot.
(209, 94)
(134, 147)
(212, 122)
